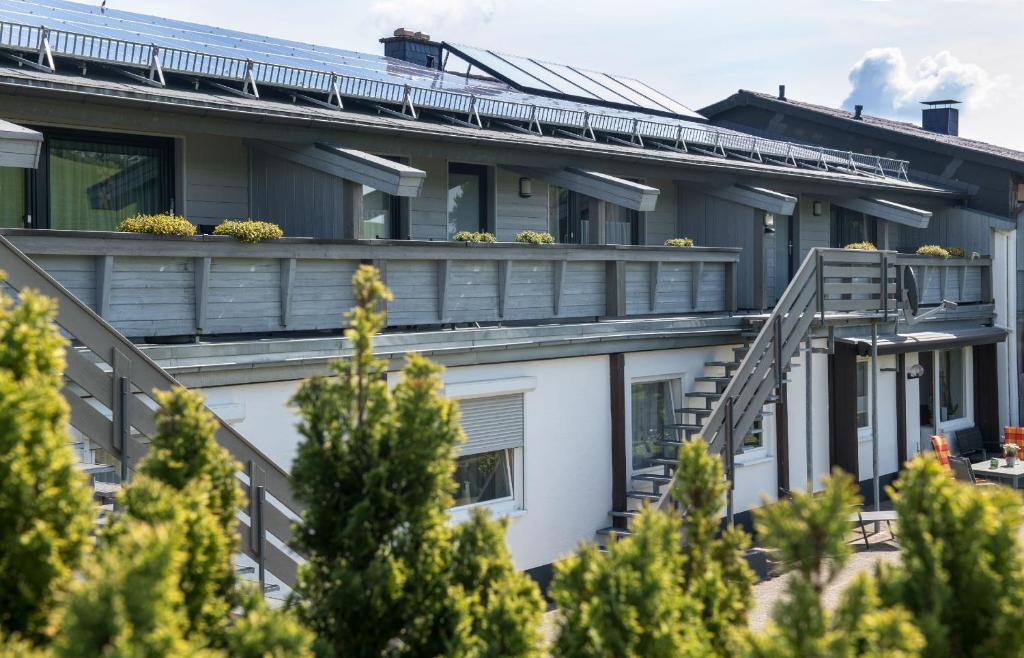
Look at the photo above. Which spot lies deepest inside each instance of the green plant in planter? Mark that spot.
(474, 236)
(1011, 450)
(957, 252)
(158, 225)
(679, 242)
(932, 250)
(535, 237)
(862, 246)
(249, 231)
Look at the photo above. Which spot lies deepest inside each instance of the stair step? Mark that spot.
(245, 571)
(697, 411)
(105, 492)
(656, 478)
(690, 427)
(268, 588)
(94, 469)
(664, 461)
(625, 514)
(643, 495)
(722, 364)
(703, 394)
(612, 531)
(715, 379)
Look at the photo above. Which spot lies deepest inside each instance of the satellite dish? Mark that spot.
(910, 292)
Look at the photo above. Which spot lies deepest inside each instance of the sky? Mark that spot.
(887, 55)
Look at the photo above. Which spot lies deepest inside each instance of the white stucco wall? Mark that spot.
(887, 455)
(798, 419)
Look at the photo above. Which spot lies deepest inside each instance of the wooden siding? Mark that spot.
(428, 213)
(211, 285)
(216, 179)
(661, 222)
(813, 231)
(514, 213)
(302, 201)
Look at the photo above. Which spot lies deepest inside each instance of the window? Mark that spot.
(93, 182)
(485, 470)
(849, 226)
(467, 198)
(952, 402)
(623, 225)
(754, 440)
(380, 214)
(653, 407)
(12, 197)
(863, 396)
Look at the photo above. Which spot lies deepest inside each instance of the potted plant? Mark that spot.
(1011, 450)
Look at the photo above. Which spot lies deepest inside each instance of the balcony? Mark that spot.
(149, 286)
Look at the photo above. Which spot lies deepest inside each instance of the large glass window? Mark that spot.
(380, 214)
(863, 396)
(623, 225)
(849, 226)
(93, 185)
(951, 385)
(467, 198)
(12, 197)
(653, 412)
(484, 477)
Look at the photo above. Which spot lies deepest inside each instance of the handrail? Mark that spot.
(867, 283)
(131, 371)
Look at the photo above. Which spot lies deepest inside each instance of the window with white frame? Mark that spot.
(754, 440)
(487, 463)
(653, 405)
(863, 397)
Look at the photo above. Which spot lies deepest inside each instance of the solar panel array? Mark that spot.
(547, 78)
(132, 41)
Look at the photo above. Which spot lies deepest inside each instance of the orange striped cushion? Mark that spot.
(1014, 435)
(941, 449)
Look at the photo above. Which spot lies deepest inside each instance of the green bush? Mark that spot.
(862, 246)
(932, 250)
(957, 252)
(249, 231)
(158, 225)
(535, 237)
(474, 236)
(679, 242)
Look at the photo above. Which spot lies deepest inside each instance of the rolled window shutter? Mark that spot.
(494, 423)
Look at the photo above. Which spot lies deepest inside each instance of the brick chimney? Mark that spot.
(941, 117)
(414, 47)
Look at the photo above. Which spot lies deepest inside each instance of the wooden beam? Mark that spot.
(761, 198)
(782, 440)
(888, 210)
(617, 383)
(504, 285)
(615, 288)
(202, 288)
(443, 269)
(655, 279)
(901, 410)
(595, 184)
(352, 211)
(104, 283)
(559, 276)
(393, 178)
(19, 146)
(287, 274)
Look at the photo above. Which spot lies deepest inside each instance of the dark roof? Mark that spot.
(1011, 158)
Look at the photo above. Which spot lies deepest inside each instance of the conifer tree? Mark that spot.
(629, 602)
(45, 506)
(189, 479)
(808, 536)
(961, 571)
(129, 602)
(260, 632)
(714, 571)
(375, 472)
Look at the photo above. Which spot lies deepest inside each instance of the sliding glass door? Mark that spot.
(12, 197)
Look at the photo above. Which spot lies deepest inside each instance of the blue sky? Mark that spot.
(699, 51)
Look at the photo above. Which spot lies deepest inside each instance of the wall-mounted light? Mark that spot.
(915, 371)
(525, 188)
(816, 208)
(769, 222)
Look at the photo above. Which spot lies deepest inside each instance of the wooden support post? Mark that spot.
(104, 283)
(559, 285)
(504, 285)
(901, 409)
(730, 458)
(986, 284)
(617, 381)
(696, 274)
(120, 424)
(443, 269)
(655, 279)
(943, 280)
(731, 298)
(287, 274)
(202, 287)
(352, 211)
(615, 288)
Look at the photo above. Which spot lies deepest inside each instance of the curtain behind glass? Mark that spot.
(377, 219)
(93, 186)
(465, 192)
(12, 197)
(652, 412)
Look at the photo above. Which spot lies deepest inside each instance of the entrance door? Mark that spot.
(570, 212)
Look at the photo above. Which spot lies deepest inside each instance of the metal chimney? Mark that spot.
(782, 92)
(858, 111)
(415, 47)
(941, 117)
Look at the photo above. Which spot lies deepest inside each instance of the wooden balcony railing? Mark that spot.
(147, 285)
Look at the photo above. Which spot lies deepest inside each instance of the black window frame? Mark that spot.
(37, 182)
(473, 170)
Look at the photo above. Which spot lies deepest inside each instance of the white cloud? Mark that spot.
(430, 15)
(884, 84)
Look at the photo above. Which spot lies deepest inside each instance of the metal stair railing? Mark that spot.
(117, 385)
(828, 280)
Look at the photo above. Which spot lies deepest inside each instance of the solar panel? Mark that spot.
(534, 75)
(132, 41)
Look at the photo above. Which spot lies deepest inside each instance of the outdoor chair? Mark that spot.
(963, 472)
(863, 517)
(971, 445)
(941, 449)
(1015, 436)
